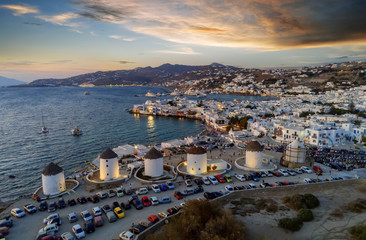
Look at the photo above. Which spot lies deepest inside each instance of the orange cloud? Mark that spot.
(20, 9)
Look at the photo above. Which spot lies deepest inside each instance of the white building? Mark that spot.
(153, 160)
(53, 179)
(109, 168)
(254, 155)
(196, 160)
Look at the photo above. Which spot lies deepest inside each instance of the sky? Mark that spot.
(57, 39)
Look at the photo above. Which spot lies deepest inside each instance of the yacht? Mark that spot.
(86, 93)
(76, 132)
(149, 94)
(44, 129)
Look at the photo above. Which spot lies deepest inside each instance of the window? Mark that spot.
(107, 174)
(106, 160)
(107, 166)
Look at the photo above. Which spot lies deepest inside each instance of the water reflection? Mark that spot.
(150, 124)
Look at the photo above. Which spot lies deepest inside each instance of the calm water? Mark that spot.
(102, 117)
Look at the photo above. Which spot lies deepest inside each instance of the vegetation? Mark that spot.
(337, 111)
(269, 115)
(202, 220)
(299, 201)
(292, 224)
(242, 122)
(305, 215)
(357, 122)
(307, 113)
(357, 206)
(337, 213)
(358, 232)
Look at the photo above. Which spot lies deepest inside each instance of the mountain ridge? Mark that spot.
(4, 82)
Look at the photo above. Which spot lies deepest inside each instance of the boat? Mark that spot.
(86, 93)
(175, 93)
(11, 176)
(44, 129)
(76, 131)
(149, 94)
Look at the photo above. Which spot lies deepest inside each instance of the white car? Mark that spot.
(298, 170)
(213, 180)
(50, 217)
(308, 180)
(306, 169)
(269, 174)
(86, 216)
(120, 192)
(102, 195)
(283, 172)
(252, 185)
(188, 183)
(240, 177)
(78, 231)
(72, 217)
(170, 185)
(50, 229)
(229, 188)
(206, 181)
(154, 201)
(155, 188)
(17, 212)
(67, 236)
(291, 172)
(96, 211)
(126, 235)
(142, 190)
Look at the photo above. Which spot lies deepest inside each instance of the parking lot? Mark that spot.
(28, 227)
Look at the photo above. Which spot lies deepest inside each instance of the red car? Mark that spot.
(317, 169)
(220, 178)
(178, 195)
(153, 218)
(146, 201)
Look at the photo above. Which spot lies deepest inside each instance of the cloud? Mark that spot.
(22, 63)
(125, 62)
(63, 19)
(31, 23)
(181, 51)
(277, 24)
(117, 37)
(20, 9)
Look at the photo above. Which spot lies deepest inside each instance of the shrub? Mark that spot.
(337, 213)
(358, 232)
(292, 224)
(272, 208)
(356, 206)
(299, 201)
(305, 215)
(311, 201)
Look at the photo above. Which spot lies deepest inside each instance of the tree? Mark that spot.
(351, 107)
(273, 108)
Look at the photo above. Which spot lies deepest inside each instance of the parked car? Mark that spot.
(67, 236)
(50, 237)
(298, 170)
(154, 201)
(165, 199)
(198, 181)
(143, 190)
(98, 221)
(213, 180)
(126, 235)
(119, 213)
(155, 188)
(120, 192)
(126, 205)
(198, 189)
(229, 188)
(291, 172)
(178, 195)
(277, 174)
(220, 178)
(252, 185)
(102, 195)
(86, 216)
(96, 211)
(89, 227)
(228, 178)
(78, 231)
(137, 229)
(52, 207)
(317, 169)
(111, 217)
(172, 210)
(254, 177)
(4, 231)
(72, 217)
(163, 214)
(306, 169)
(283, 172)
(269, 173)
(17, 212)
(61, 203)
(50, 229)
(43, 206)
(71, 202)
(106, 208)
(115, 205)
(50, 217)
(188, 183)
(308, 180)
(206, 181)
(240, 177)
(163, 187)
(137, 204)
(111, 193)
(170, 185)
(81, 200)
(188, 191)
(29, 208)
(6, 222)
(93, 199)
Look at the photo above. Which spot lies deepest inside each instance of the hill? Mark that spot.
(9, 82)
(138, 76)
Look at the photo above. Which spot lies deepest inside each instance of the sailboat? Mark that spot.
(44, 129)
(76, 131)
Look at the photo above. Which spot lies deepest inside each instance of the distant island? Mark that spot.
(4, 82)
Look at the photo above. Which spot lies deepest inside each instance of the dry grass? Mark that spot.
(361, 188)
(337, 213)
(357, 206)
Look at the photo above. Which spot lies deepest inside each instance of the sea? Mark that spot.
(102, 116)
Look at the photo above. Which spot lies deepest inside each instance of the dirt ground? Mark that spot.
(332, 196)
